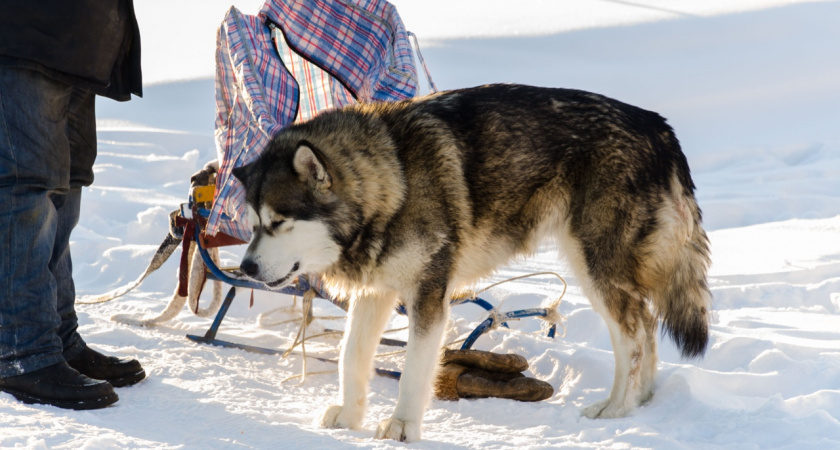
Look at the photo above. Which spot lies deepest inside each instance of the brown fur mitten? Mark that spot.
(480, 374)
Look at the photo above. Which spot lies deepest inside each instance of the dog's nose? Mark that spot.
(249, 267)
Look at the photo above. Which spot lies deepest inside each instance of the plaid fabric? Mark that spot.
(318, 89)
(363, 44)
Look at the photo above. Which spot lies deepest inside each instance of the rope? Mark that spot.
(303, 375)
(431, 83)
(263, 322)
(552, 316)
(301, 336)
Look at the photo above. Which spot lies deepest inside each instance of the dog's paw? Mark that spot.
(593, 411)
(336, 416)
(605, 410)
(399, 430)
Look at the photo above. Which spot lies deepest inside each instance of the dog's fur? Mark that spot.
(411, 201)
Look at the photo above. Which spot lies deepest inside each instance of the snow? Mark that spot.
(752, 89)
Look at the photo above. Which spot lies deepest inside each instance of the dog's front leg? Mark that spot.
(368, 317)
(427, 320)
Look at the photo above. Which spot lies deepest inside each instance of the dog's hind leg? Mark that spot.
(629, 323)
(368, 317)
(650, 357)
(427, 320)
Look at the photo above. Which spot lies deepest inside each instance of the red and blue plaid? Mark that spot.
(362, 43)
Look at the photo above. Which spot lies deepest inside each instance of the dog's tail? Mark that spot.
(681, 294)
(685, 301)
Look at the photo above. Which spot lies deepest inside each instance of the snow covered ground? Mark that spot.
(751, 87)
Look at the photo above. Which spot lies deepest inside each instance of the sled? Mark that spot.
(270, 73)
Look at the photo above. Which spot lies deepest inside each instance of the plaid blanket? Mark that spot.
(355, 49)
(318, 89)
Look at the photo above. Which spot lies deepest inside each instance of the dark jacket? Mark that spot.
(91, 44)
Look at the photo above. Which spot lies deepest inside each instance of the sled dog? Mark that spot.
(412, 201)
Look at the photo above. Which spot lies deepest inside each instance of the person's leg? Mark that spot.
(34, 163)
(34, 170)
(81, 134)
(67, 209)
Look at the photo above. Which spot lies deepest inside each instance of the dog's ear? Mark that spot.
(311, 165)
(243, 173)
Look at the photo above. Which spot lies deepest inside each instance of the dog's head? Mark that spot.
(316, 194)
(291, 200)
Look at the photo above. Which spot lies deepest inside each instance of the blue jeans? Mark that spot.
(47, 150)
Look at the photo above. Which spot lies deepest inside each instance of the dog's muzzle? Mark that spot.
(251, 269)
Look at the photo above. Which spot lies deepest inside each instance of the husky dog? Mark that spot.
(412, 201)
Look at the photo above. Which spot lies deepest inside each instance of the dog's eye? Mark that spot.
(277, 224)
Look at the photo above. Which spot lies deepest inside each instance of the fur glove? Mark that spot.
(480, 374)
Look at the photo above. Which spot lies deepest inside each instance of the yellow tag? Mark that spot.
(203, 194)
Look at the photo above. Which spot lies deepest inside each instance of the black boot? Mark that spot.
(117, 371)
(60, 385)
